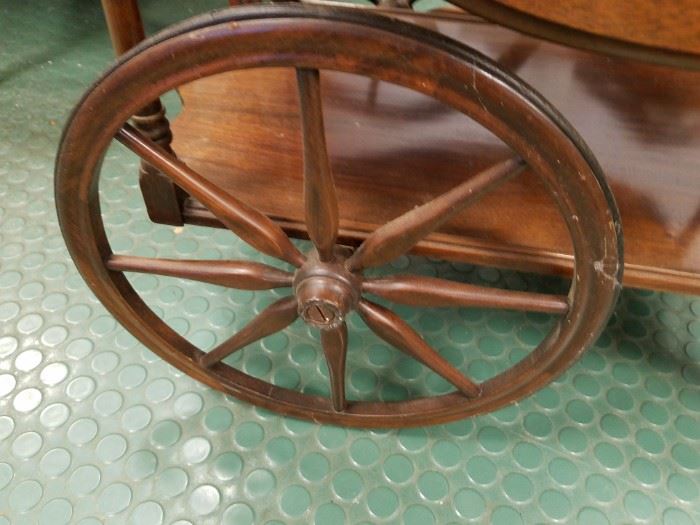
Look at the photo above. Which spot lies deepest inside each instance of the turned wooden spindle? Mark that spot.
(163, 199)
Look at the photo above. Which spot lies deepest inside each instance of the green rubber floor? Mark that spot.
(95, 429)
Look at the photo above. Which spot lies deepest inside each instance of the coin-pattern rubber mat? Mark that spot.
(96, 429)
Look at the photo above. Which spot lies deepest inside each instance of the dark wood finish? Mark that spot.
(244, 275)
(665, 24)
(247, 222)
(658, 31)
(163, 199)
(320, 201)
(324, 291)
(392, 149)
(124, 24)
(399, 334)
(335, 344)
(398, 236)
(274, 318)
(415, 290)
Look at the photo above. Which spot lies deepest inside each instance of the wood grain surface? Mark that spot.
(667, 24)
(392, 149)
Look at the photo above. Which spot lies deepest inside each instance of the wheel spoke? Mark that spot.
(416, 290)
(335, 344)
(398, 333)
(401, 234)
(249, 224)
(320, 201)
(274, 318)
(243, 275)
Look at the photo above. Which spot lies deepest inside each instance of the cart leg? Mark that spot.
(163, 199)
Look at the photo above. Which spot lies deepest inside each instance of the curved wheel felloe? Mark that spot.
(328, 282)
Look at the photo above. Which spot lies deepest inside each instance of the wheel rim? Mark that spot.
(327, 285)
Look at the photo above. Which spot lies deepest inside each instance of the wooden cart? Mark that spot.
(408, 140)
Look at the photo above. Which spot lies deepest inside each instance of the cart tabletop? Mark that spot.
(660, 31)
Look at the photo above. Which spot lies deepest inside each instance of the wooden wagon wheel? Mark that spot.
(328, 282)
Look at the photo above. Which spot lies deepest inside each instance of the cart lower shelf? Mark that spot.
(393, 149)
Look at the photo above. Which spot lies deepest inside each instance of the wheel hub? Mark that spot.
(325, 292)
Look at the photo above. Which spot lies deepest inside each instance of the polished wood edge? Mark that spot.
(490, 254)
(437, 245)
(569, 36)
